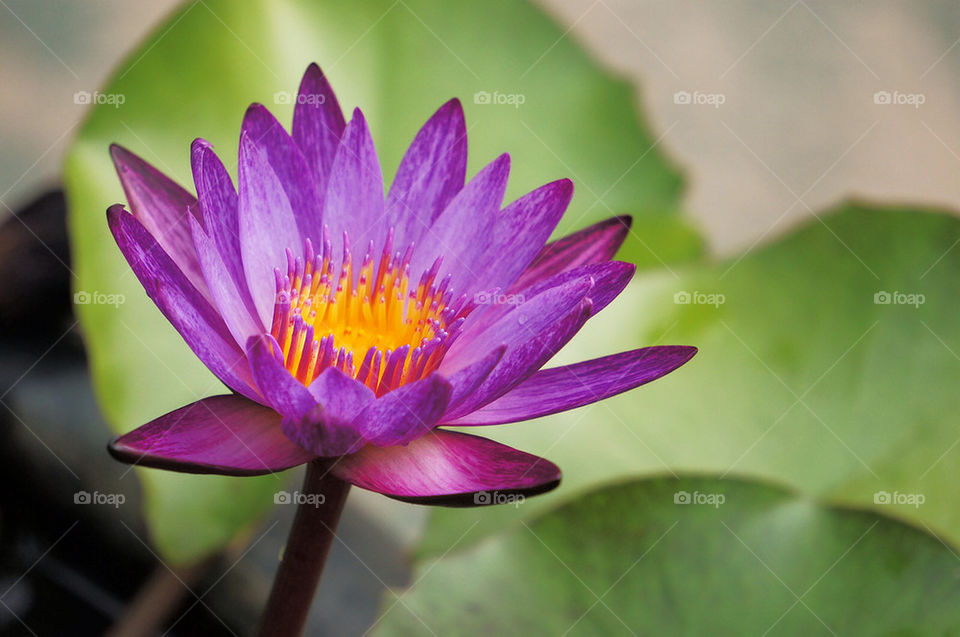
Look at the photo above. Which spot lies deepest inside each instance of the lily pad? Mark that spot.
(828, 362)
(527, 88)
(692, 556)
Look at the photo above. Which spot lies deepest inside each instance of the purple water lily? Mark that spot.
(355, 327)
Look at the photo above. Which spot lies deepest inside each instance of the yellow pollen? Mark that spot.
(374, 326)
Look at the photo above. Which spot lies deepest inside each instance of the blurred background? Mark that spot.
(768, 112)
(798, 127)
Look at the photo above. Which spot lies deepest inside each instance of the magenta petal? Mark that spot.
(190, 313)
(521, 361)
(341, 397)
(290, 167)
(163, 208)
(321, 427)
(317, 125)
(610, 279)
(449, 469)
(223, 434)
(353, 202)
(326, 429)
(467, 380)
(521, 324)
(463, 232)
(406, 413)
(282, 391)
(267, 226)
(218, 203)
(520, 231)
(234, 303)
(431, 173)
(202, 329)
(594, 244)
(524, 358)
(561, 388)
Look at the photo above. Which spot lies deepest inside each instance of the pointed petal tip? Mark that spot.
(255, 108)
(358, 117)
(115, 210)
(452, 107)
(118, 152)
(200, 144)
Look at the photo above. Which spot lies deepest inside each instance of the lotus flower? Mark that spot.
(356, 327)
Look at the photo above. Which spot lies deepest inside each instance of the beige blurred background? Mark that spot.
(787, 120)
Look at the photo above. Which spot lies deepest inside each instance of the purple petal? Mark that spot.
(521, 361)
(218, 203)
(186, 309)
(463, 232)
(342, 397)
(431, 173)
(521, 230)
(449, 469)
(406, 413)
(234, 304)
(561, 388)
(203, 330)
(163, 208)
(281, 390)
(326, 429)
(521, 323)
(317, 125)
(318, 418)
(223, 434)
(610, 278)
(354, 197)
(290, 167)
(468, 379)
(524, 358)
(267, 226)
(594, 244)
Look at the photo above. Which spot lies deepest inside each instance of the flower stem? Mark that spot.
(311, 535)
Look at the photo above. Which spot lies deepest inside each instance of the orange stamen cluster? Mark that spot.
(324, 316)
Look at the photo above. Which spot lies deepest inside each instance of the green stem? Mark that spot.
(311, 535)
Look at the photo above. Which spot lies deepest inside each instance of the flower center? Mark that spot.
(370, 324)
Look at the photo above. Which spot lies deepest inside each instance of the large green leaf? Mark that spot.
(801, 377)
(399, 61)
(630, 560)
